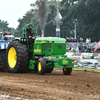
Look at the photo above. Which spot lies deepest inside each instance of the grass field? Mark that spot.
(88, 69)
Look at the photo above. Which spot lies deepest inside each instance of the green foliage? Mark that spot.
(50, 28)
(22, 22)
(4, 26)
(88, 19)
(87, 69)
(86, 11)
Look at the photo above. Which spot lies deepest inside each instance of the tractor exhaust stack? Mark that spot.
(42, 33)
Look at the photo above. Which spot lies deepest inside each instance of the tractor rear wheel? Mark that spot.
(41, 66)
(17, 57)
(67, 71)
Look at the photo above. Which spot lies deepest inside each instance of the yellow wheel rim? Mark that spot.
(65, 69)
(12, 57)
(39, 66)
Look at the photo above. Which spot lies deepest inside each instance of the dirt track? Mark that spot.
(80, 85)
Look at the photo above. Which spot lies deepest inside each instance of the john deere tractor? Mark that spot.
(47, 53)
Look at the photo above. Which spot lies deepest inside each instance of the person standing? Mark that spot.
(81, 41)
(87, 40)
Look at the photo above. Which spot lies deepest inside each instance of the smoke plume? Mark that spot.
(42, 13)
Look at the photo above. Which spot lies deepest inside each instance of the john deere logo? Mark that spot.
(37, 50)
(60, 56)
(64, 61)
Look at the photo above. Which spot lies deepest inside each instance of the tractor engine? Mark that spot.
(49, 46)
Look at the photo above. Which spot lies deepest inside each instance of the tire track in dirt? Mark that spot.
(54, 86)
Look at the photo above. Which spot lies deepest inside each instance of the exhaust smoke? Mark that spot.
(42, 14)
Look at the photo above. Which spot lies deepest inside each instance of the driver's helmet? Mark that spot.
(29, 29)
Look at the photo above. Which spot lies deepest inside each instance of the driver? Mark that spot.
(30, 34)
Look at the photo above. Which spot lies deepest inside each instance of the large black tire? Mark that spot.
(17, 57)
(41, 66)
(67, 71)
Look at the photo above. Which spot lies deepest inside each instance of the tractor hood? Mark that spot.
(49, 39)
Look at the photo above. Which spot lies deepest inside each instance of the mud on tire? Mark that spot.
(17, 57)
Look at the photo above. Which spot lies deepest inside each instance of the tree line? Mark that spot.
(4, 27)
(85, 11)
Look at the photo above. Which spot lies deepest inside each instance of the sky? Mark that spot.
(12, 10)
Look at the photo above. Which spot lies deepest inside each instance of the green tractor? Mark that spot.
(46, 53)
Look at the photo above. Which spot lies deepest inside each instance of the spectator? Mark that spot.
(67, 39)
(73, 49)
(74, 40)
(80, 49)
(85, 49)
(87, 40)
(95, 46)
(77, 49)
(89, 43)
(92, 46)
(71, 39)
(88, 49)
(98, 49)
(99, 44)
(81, 39)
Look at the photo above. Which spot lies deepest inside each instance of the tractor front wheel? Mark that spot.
(67, 71)
(41, 66)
